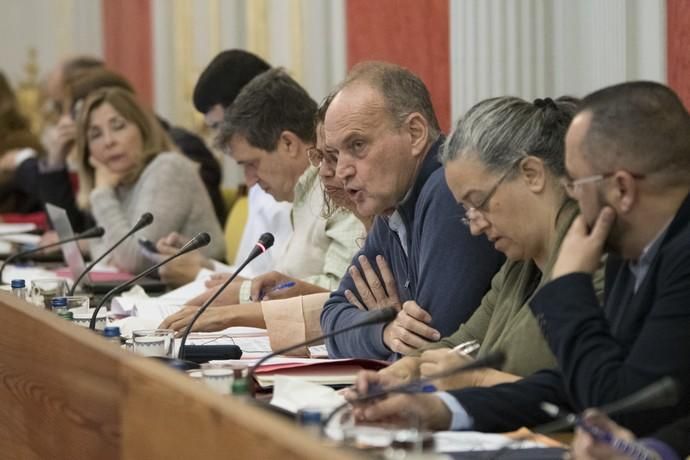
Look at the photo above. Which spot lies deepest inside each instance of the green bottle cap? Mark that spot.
(66, 314)
(240, 387)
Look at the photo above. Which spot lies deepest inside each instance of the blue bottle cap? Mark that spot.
(111, 331)
(58, 302)
(18, 284)
(309, 416)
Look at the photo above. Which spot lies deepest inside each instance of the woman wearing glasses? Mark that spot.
(504, 164)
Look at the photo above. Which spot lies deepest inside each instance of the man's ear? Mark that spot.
(288, 143)
(418, 128)
(624, 194)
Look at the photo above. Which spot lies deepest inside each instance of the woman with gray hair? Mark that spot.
(504, 164)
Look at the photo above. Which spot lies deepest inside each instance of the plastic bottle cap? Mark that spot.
(66, 314)
(18, 284)
(111, 331)
(59, 302)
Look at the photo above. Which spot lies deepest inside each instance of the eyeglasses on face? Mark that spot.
(318, 157)
(572, 186)
(473, 212)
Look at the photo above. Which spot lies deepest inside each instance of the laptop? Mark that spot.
(98, 282)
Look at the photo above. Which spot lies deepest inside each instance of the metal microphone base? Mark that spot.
(179, 364)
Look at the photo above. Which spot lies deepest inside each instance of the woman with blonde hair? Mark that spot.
(127, 166)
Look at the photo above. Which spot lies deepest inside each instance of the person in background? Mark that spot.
(671, 442)
(48, 178)
(217, 87)
(503, 163)
(270, 128)
(628, 166)
(293, 319)
(127, 166)
(16, 140)
(382, 127)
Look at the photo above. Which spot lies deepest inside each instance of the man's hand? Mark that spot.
(183, 269)
(428, 410)
(585, 447)
(410, 330)
(373, 292)
(213, 319)
(582, 249)
(443, 359)
(8, 160)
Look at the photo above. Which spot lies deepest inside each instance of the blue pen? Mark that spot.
(632, 449)
(279, 287)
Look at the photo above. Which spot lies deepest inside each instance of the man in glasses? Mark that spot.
(628, 162)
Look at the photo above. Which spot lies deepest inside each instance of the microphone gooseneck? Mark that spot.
(199, 241)
(382, 315)
(144, 221)
(94, 232)
(665, 392)
(265, 242)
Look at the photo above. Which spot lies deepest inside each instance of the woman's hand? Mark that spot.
(104, 177)
(213, 319)
(444, 359)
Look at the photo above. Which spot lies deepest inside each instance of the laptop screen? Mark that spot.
(63, 228)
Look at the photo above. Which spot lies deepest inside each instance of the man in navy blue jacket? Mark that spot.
(383, 128)
(628, 161)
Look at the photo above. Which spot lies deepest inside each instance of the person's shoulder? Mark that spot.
(171, 164)
(435, 189)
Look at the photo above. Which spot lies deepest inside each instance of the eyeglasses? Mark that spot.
(318, 157)
(472, 213)
(572, 186)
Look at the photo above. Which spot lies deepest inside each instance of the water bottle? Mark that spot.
(19, 288)
(112, 334)
(58, 305)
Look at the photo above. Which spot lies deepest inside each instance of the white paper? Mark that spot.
(22, 238)
(190, 290)
(28, 274)
(293, 394)
(464, 441)
(6, 228)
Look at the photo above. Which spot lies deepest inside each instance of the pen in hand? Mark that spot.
(279, 287)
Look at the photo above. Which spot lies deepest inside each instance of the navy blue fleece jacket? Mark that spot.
(447, 271)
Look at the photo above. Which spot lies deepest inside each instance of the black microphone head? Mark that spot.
(199, 241)
(265, 241)
(144, 221)
(94, 232)
(382, 315)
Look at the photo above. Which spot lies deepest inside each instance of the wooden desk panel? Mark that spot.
(67, 394)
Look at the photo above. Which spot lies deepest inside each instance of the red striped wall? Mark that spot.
(128, 42)
(412, 33)
(678, 47)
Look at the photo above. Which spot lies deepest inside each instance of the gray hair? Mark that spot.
(501, 130)
(403, 92)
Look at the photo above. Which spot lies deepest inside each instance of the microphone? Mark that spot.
(94, 232)
(261, 246)
(144, 221)
(199, 241)
(662, 393)
(493, 360)
(383, 315)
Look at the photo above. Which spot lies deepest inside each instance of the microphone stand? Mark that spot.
(95, 232)
(144, 221)
(201, 240)
(265, 242)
